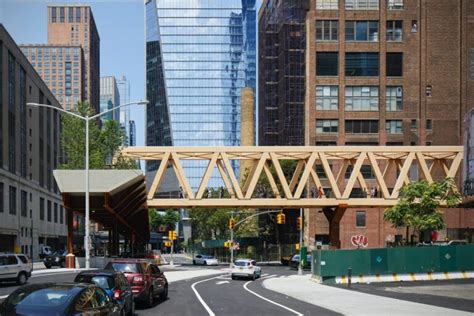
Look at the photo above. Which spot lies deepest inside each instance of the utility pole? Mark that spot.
(231, 241)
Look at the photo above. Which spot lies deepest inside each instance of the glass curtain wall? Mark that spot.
(207, 53)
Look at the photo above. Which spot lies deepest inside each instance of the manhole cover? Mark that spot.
(447, 256)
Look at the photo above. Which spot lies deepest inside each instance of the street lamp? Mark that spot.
(86, 118)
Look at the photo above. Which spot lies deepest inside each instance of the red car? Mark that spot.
(146, 279)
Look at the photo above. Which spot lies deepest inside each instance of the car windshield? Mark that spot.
(103, 281)
(123, 267)
(208, 257)
(60, 253)
(49, 298)
(242, 263)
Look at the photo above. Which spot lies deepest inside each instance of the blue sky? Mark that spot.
(122, 37)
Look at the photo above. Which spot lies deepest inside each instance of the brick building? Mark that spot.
(384, 72)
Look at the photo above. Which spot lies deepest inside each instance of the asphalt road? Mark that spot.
(219, 295)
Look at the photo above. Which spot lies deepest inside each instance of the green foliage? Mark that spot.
(162, 221)
(103, 143)
(419, 205)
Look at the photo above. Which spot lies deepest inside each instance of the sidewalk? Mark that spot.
(350, 302)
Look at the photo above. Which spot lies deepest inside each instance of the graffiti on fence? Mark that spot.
(359, 241)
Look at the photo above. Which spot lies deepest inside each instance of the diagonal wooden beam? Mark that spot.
(227, 183)
(178, 169)
(256, 175)
(271, 180)
(378, 175)
(158, 176)
(316, 180)
(249, 176)
(329, 174)
(424, 167)
(296, 174)
(281, 176)
(207, 175)
(305, 175)
(233, 178)
(340, 178)
(354, 175)
(402, 178)
(455, 166)
(406, 179)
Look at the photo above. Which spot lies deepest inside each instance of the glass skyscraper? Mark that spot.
(199, 54)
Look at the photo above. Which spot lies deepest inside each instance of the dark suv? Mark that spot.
(146, 279)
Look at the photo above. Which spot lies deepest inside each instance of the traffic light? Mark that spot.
(280, 218)
(227, 244)
(297, 247)
(172, 235)
(299, 223)
(232, 223)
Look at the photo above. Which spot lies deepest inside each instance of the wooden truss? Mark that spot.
(348, 175)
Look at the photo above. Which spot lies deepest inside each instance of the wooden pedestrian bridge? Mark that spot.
(353, 176)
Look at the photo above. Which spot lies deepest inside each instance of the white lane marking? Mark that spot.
(222, 282)
(3, 296)
(211, 313)
(265, 274)
(268, 276)
(270, 301)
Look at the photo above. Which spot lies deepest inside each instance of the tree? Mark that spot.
(103, 143)
(419, 206)
(162, 220)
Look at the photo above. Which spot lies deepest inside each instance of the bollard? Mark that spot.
(349, 277)
(70, 261)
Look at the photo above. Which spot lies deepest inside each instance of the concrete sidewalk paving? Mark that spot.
(349, 302)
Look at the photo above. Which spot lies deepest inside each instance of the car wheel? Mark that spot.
(164, 295)
(194, 262)
(254, 276)
(150, 298)
(63, 264)
(233, 277)
(48, 266)
(122, 312)
(22, 278)
(205, 263)
(132, 309)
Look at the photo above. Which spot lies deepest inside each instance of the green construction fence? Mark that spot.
(329, 264)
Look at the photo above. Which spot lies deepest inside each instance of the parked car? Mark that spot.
(145, 278)
(59, 299)
(44, 251)
(15, 267)
(114, 283)
(442, 243)
(155, 255)
(295, 262)
(285, 260)
(246, 268)
(205, 260)
(57, 259)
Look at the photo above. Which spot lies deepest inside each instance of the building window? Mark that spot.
(70, 18)
(326, 144)
(394, 64)
(2, 203)
(362, 4)
(414, 125)
(365, 170)
(395, 4)
(12, 200)
(362, 64)
(362, 98)
(78, 15)
(61, 215)
(394, 127)
(49, 211)
(429, 124)
(327, 98)
(362, 126)
(362, 31)
(327, 4)
(327, 126)
(360, 218)
(53, 15)
(55, 212)
(61, 14)
(326, 30)
(41, 209)
(11, 114)
(428, 91)
(394, 31)
(414, 26)
(24, 203)
(326, 64)
(394, 99)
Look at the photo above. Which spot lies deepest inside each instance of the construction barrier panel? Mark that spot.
(328, 265)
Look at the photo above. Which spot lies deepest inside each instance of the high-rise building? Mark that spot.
(62, 68)
(199, 54)
(30, 204)
(75, 25)
(380, 73)
(109, 98)
(282, 47)
(133, 133)
(123, 86)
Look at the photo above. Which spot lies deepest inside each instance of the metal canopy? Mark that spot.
(117, 198)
